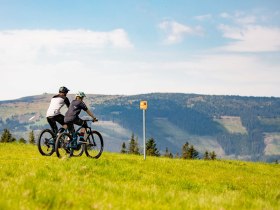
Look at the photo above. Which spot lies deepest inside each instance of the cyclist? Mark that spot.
(53, 113)
(72, 114)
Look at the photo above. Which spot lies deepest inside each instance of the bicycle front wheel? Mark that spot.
(46, 142)
(94, 145)
(62, 145)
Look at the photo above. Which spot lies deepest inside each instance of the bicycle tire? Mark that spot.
(77, 152)
(62, 142)
(46, 142)
(94, 145)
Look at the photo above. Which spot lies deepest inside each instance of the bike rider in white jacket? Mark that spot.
(53, 113)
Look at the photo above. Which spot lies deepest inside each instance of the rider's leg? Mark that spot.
(52, 123)
(82, 123)
(60, 119)
(70, 127)
(65, 126)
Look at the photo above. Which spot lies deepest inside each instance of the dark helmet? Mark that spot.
(63, 89)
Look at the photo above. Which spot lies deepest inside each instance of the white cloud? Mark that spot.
(250, 31)
(248, 19)
(17, 42)
(225, 15)
(37, 61)
(252, 38)
(47, 59)
(176, 32)
(218, 74)
(203, 17)
(131, 73)
(240, 18)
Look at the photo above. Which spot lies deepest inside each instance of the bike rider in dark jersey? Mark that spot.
(72, 114)
(53, 113)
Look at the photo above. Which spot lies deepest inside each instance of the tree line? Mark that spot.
(188, 151)
(196, 114)
(7, 137)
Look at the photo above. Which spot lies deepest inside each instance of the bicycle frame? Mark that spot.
(74, 142)
(92, 144)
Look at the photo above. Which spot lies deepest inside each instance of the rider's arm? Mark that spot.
(90, 113)
(67, 102)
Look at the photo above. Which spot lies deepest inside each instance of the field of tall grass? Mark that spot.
(117, 181)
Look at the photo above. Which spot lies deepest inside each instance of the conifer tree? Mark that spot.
(136, 149)
(133, 146)
(22, 140)
(185, 151)
(151, 148)
(31, 137)
(189, 152)
(7, 137)
(167, 153)
(170, 155)
(206, 155)
(193, 153)
(213, 155)
(123, 150)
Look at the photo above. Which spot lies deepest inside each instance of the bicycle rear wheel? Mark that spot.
(94, 145)
(46, 142)
(62, 145)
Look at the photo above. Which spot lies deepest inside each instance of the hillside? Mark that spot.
(115, 181)
(232, 126)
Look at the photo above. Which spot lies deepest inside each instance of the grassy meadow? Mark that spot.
(31, 181)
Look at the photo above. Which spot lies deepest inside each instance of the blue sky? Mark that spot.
(131, 47)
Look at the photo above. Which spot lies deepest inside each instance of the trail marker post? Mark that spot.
(144, 106)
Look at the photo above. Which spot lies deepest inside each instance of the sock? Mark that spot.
(82, 135)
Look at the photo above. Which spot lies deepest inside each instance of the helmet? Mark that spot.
(80, 94)
(63, 89)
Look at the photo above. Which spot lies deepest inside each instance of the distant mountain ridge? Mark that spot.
(232, 126)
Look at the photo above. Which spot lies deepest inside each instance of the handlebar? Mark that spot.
(92, 120)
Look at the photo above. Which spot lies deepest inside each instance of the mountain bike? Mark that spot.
(46, 141)
(68, 144)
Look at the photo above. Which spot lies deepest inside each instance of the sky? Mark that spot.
(133, 47)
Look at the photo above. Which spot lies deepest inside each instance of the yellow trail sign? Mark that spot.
(143, 105)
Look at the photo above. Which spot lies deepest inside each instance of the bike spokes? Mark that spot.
(94, 145)
(46, 142)
(77, 150)
(62, 145)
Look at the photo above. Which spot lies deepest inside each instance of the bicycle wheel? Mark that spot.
(46, 142)
(62, 145)
(94, 145)
(77, 151)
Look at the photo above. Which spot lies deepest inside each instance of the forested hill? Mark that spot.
(232, 126)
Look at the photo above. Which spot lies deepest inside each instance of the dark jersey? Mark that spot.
(74, 110)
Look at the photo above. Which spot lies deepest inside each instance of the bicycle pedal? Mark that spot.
(82, 142)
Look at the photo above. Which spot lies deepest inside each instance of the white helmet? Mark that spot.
(80, 94)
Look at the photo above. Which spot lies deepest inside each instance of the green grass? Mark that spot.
(31, 181)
